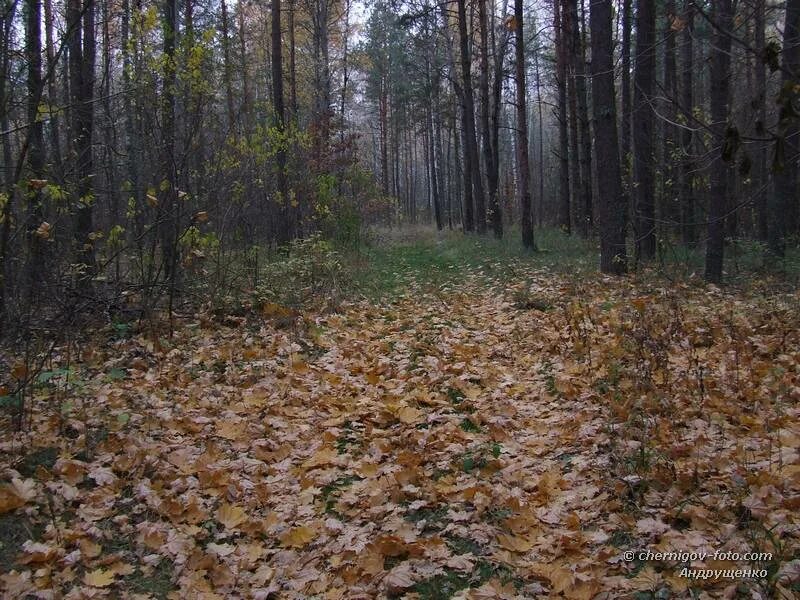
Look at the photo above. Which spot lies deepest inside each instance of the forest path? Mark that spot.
(469, 437)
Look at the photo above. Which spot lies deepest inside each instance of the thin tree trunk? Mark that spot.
(285, 232)
(687, 200)
(761, 177)
(565, 211)
(36, 153)
(625, 121)
(611, 199)
(571, 41)
(227, 67)
(523, 164)
(473, 164)
(643, 159)
(784, 198)
(720, 72)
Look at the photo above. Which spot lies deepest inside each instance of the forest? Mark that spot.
(424, 299)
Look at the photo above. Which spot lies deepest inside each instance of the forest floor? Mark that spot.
(492, 428)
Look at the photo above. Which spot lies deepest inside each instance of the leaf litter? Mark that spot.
(453, 442)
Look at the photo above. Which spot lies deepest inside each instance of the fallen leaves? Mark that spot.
(231, 516)
(16, 494)
(487, 450)
(99, 578)
(298, 537)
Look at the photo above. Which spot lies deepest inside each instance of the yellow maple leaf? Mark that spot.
(298, 537)
(90, 548)
(9, 498)
(514, 543)
(409, 415)
(99, 578)
(231, 516)
(323, 457)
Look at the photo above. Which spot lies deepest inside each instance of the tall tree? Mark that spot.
(613, 256)
(168, 197)
(643, 120)
(523, 164)
(564, 208)
(285, 231)
(81, 46)
(783, 210)
(718, 190)
(625, 121)
(688, 228)
(488, 141)
(472, 164)
(36, 151)
(761, 175)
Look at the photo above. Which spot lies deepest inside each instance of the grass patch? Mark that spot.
(435, 518)
(330, 492)
(42, 457)
(15, 530)
(157, 584)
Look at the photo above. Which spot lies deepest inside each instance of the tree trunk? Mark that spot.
(285, 232)
(761, 177)
(473, 164)
(488, 141)
(784, 198)
(523, 164)
(36, 155)
(688, 227)
(625, 121)
(168, 200)
(720, 71)
(610, 197)
(565, 211)
(643, 167)
(669, 206)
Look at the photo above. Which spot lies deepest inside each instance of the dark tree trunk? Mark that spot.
(643, 119)
(688, 228)
(625, 121)
(760, 176)
(227, 68)
(489, 155)
(285, 231)
(168, 201)
(784, 198)
(36, 155)
(473, 164)
(434, 180)
(81, 46)
(523, 164)
(718, 192)
(610, 198)
(564, 209)
(669, 206)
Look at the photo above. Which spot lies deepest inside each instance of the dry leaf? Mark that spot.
(99, 578)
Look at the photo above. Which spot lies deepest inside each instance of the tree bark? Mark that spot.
(784, 198)
(285, 231)
(720, 72)
(564, 208)
(523, 163)
(643, 159)
(613, 257)
(688, 227)
(473, 164)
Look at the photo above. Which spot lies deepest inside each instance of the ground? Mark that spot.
(500, 428)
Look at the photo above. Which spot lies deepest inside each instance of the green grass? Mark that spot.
(396, 259)
(15, 530)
